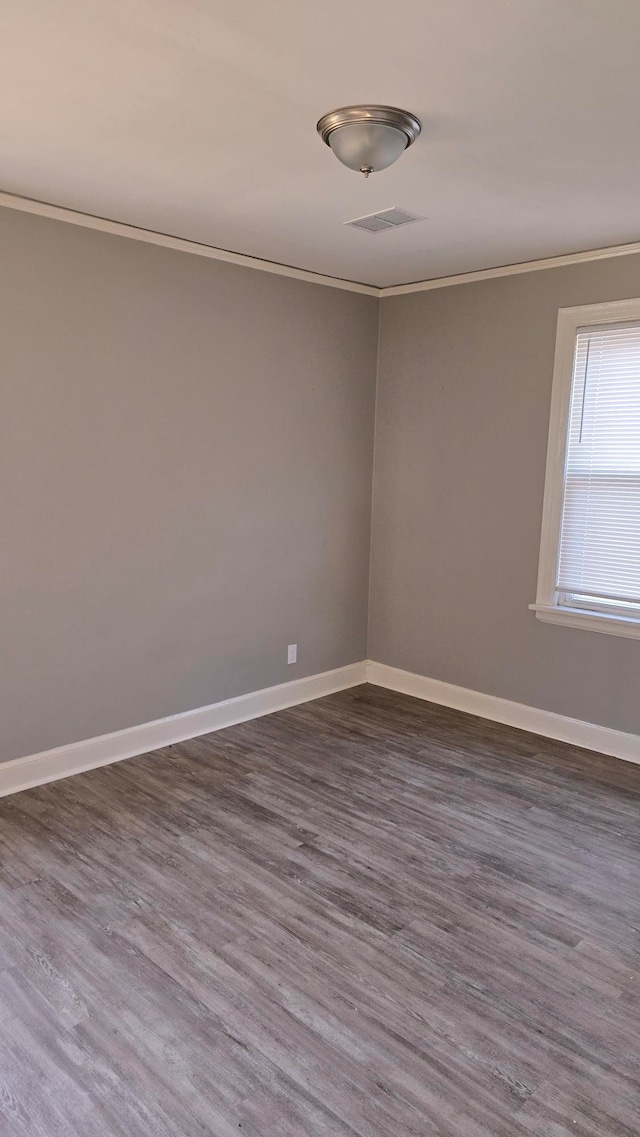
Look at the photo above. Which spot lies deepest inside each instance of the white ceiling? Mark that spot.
(197, 118)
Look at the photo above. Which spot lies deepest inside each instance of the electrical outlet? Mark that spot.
(292, 653)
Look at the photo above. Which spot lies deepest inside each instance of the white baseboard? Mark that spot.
(63, 761)
(49, 765)
(587, 734)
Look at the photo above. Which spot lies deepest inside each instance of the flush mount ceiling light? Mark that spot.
(368, 138)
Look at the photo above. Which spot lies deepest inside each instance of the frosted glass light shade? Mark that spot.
(367, 145)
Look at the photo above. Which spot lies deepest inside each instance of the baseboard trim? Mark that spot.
(589, 735)
(63, 761)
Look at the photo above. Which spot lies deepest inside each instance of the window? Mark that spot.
(589, 572)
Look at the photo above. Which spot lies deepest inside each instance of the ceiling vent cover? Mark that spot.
(384, 220)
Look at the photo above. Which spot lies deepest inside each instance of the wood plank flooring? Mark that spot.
(364, 916)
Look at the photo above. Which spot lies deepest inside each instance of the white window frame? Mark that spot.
(551, 606)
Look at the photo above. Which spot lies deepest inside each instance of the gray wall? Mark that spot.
(185, 480)
(185, 475)
(463, 412)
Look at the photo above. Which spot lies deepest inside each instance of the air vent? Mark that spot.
(384, 220)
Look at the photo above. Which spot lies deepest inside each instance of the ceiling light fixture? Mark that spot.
(368, 138)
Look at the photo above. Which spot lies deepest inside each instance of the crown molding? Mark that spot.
(119, 229)
(513, 270)
(165, 240)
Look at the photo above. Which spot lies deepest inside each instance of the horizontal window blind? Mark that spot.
(600, 531)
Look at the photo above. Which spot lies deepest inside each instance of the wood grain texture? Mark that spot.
(366, 915)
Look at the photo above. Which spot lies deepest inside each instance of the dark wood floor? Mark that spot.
(366, 915)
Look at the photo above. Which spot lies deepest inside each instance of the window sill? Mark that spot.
(588, 621)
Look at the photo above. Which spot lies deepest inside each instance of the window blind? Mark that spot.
(600, 530)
